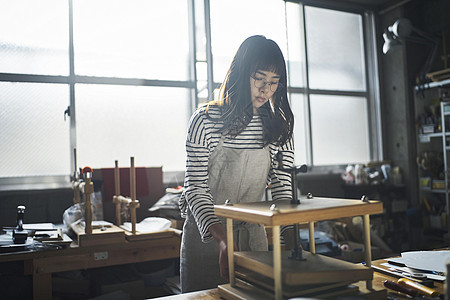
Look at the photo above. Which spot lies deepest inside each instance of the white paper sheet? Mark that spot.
(432, 261)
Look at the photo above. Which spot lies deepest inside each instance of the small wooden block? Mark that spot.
(109, 234)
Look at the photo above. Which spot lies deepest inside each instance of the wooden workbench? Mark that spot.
(41, 264)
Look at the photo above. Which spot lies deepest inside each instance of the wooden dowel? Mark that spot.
(132, 180)
(367, 246)
(277, 276)
(312, 240)
(117, 186)
(133, 195)
(230, 248)
(117, 178)
(88, 189)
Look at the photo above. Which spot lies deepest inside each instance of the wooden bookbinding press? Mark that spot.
(104, 232)
(278, 274)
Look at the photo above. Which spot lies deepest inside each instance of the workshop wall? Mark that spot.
(321, 185)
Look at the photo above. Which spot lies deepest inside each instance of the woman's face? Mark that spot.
(263, 85)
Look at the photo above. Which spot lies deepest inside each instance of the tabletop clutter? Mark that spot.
(83, 223)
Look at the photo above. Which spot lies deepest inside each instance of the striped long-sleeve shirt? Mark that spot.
(202, 139)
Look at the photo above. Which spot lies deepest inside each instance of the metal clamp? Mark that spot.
(228, 203)
(274, 208)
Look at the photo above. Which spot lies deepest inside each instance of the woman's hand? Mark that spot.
(223, 259)
(220, 236)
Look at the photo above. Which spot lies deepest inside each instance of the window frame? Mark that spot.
(372, 92)
(63, 181)
(372, 83)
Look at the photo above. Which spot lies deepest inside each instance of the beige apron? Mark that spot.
(238, 175)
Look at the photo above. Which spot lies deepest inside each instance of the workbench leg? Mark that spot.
(230, 248)
(312, 240)
(367, 247)
(42, 286)
(277, 262)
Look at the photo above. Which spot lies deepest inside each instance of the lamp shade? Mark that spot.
(402, 28)
(403, 31)
(390, 41)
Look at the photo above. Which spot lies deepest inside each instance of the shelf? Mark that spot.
(426, 137)
(431, 85)
(437, 191)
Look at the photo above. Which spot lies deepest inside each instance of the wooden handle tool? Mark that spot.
(400, 288)
(418, 287)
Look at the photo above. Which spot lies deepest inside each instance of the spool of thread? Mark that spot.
(419, 287)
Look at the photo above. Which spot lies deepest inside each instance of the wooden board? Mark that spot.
(266, 283)
(439, 75)
(109, 234)
(316, 269)
(149, 235)
(56, 237)
(245, 291)
(309, 210)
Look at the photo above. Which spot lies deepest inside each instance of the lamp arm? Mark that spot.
(425, 35)
(427, 66)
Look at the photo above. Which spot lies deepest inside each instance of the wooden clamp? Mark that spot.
(132, 202)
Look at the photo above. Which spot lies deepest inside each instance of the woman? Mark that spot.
(231, 147)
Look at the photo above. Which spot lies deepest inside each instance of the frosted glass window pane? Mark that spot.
(233, 21)
(298, 108)
(296, 59)
(34, 138)
(137, 39)
(339, 130)
(34, 37)
(116, 122)
(335, 50)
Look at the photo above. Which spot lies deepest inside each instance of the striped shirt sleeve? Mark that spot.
(197, 195)
(281, 180)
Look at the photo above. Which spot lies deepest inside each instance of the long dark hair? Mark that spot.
(255, 53)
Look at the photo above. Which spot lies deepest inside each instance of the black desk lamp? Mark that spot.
(403, 31)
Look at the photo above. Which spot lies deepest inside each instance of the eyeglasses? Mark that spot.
(261, 83)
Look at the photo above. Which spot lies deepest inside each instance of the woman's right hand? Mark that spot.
(220, 236)
(223, 259)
